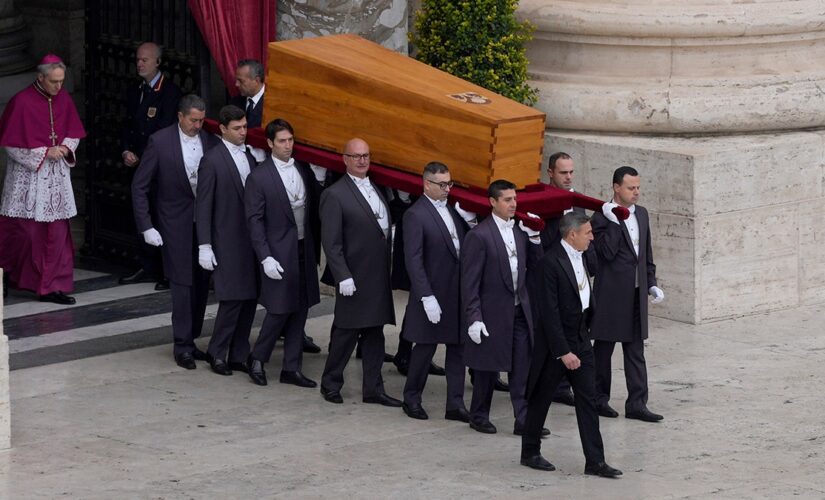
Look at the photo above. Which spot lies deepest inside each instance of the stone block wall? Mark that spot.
(737, 221)
(5, 397)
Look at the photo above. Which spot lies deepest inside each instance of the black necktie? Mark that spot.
(250, 105)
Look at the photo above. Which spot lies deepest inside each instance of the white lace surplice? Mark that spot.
(38, 188)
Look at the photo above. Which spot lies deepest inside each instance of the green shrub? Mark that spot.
(477, 40)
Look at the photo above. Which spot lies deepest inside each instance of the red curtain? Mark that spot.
(235, 30)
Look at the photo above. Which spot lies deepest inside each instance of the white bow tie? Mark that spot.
(509, 224)
(364, 183)
(285, 165)
(632, 209)
(241, 150)
(440, 203)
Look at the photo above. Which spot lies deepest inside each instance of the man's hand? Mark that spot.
(607, 210)
(347, 287)
(206, 257)
(55, 153)
(571, 361)
(272, 268)
(476, 330)
(432, 308)
(469, 217)
(130, 159)
(657, 294)
(152, 237)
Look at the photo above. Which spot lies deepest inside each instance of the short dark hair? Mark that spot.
(572, 221)
(618, 175)
(551, 162)
(189, 102)
(497, 186)
(435, 167)
(256, 69)
(276, 126)
(230, 113)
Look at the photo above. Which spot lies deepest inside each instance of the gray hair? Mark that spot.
(256, 69)
(435, 167)
(572, 221)
(45, 69)
(189, 102)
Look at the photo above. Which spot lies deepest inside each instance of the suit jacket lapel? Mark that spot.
(564, 260)
(445, 232)
(356, 193)
(229, 162)
(642, 220)
(180, 167)
(501, 251)
(627, 237)
(278, 188)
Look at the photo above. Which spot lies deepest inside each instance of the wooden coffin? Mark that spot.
(334, 88)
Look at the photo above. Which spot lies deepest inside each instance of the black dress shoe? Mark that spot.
(383, 400)
(459, 414)
(200, 355)
(331, 395)
(139, 276)
(296, 378)
(162, 285)
(310, 346)
(256, 371)
(644, 414)
(403, 368)
(485, 427)
(537, 462)
(220, 367)
(501, 386)
(565, 398)
(388, 358)
(416, 412)
(436, 370)
(606, 411)
(58, 298)
(237, 366)
(186, 360)
(601, 469)
(519, 431)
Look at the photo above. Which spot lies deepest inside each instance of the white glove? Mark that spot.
(152, 237)
(432, 308)
(607, 210)
(404, 196)
(531, 233)
(206, 257)
(320, 173)
(467, 216)
(476, 330)
(272, 268)
(657, 293)
(347, 287)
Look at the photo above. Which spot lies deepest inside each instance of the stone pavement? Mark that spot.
(741, 398)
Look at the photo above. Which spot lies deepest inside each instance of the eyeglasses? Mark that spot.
(365, 156)
(443, 185)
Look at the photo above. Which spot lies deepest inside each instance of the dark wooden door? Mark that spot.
(114, 29)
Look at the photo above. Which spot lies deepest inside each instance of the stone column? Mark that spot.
(5, 399)
(382, 21)
(14, 41)
(721, 107)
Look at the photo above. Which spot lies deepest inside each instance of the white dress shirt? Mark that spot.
(441, 208)
(506, 230)
(257, 97)
(192, 150)
(295, 190)
(371, 196)
(238, 154)
(581, 276)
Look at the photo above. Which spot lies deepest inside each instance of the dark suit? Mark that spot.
(561, 328)
(221, 222)
(356, 247)
(434, 268)
(253, 116)
(148, 109)
(174, 218)
(488, 295)
(274, 233)
(623, 314)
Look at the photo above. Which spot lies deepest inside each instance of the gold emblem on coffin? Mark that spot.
(470, 98)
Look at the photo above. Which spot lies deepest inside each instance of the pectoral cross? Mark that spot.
(52, 135)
